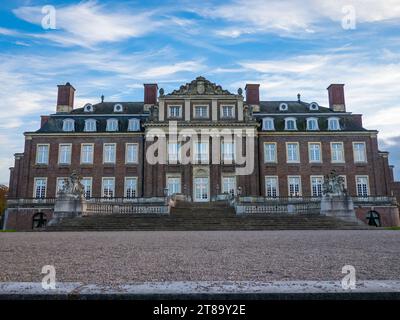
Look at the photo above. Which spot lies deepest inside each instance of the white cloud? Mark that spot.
(88, 24)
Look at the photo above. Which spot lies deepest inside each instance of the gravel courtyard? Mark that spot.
(120, 257)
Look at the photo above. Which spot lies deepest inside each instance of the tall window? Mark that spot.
(333, 124)
(64, 153)
(90, 125)
(294, 186)
(229, 185)
(173, 152)
(292, 151)
(201, 111)
(337, 152)
(42, 154)
(268, 124)
(312, 124)
(271, 187)
(131, 155)
(68, 125)
(109, 153)
(362, 184)
(201, 151)
(359, 152)
(133, 124)
(174, 111)
(227, 112)
(173, 185)
(108, 187)
(314, 152)
(87, 153)
(87, 187)
(228, 151)
(40, 188)
(290, 124)
(316, 186)
(130, 187)
(270, 152)
(112, 125)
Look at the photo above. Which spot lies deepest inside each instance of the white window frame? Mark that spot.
(126, 187)
(82, 153)
(283, 107)
(90, 187)
(275, 160)
(102, 187)
(223, 185)
(112, 125)
(310, 160)
(195, 106)
(300, 187)
(104, 153)
(333, 120)
(118, 108)
(68, 161)
(287, 121)
(332, 152)
(231, 106)
(287, 152)
(35, 187)
(228, 157)
(270, 121)
(68, 125)
(90, 125)
(320, 184)
(266, 185)
(315, 120)
(136, 158)
(170, 107)
(201, 157)
(367, 185)
(174, 157)
(45, 161)
(173, 176)
(133, 124)
(364, 153)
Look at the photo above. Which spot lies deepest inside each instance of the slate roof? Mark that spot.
(293, 107)
(108, 108)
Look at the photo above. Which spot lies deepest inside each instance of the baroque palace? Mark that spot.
(293, 145)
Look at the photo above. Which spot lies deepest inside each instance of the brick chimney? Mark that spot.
(43, 120)
(252, 94)
(65, 98)
(150, 94)
(336, 97)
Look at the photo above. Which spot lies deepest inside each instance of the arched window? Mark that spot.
(268, 124)
(118, 107)
(112, 125)
(90, 125)
(312, 124)
(283, 107)
(333, 123)
(314, 106)
(88, 107)
(134, 124)
(290, 124)
(68, 125)
(39, 220)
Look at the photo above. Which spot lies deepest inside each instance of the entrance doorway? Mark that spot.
(201, 189)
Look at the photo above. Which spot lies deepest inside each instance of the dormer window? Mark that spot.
(312, 124)
(268, 124)
(134, 125)
(90, 125)
(112, 125)
(290, 124)
(333, 123)
(118, 107)
(283, 107)
(174, 112)
(314, 106)
(68, 125)
(88, 107)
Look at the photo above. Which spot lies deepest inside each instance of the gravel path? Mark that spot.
(120, 257)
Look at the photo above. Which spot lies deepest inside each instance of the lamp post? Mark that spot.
(239, 193)
(166, 195)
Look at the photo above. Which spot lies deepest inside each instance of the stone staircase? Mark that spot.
(199, 216)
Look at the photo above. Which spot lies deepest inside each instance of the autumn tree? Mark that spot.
(3, 200)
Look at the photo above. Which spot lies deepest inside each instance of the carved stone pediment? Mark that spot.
(200, 86)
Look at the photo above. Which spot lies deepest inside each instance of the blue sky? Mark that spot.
(113, 47)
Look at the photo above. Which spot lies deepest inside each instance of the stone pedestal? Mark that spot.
(67, 207)
(340, 207)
